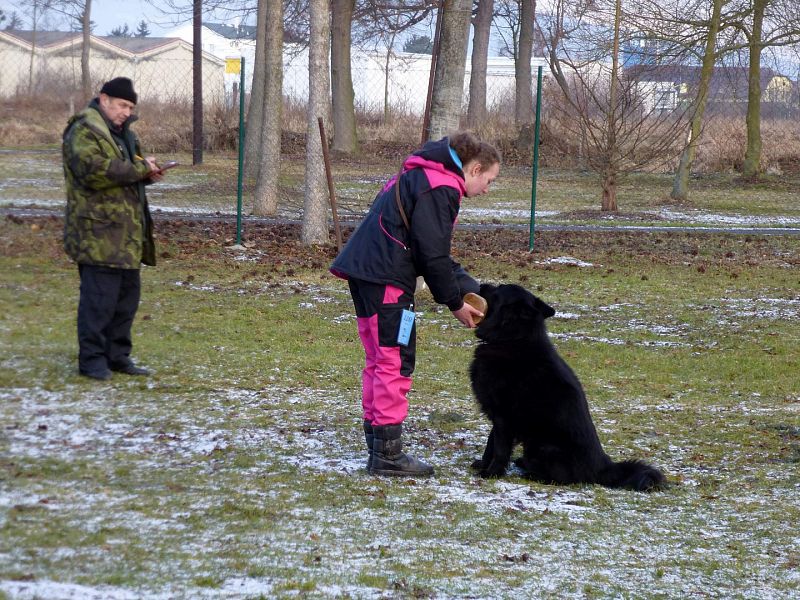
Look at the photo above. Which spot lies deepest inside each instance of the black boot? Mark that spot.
(388, 457)
(369, 436)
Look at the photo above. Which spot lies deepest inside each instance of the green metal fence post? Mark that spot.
(535, 155)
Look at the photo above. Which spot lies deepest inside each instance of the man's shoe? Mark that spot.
(130, 369)
(103, 375)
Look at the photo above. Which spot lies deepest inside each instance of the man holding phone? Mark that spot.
(108, 229)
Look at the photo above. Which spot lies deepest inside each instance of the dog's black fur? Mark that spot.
(532, 397)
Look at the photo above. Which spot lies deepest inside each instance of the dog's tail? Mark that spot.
(634, 475)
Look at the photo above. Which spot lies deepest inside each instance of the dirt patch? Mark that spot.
(279, 245)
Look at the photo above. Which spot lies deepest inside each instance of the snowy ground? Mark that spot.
(217, 489)
(718, 533)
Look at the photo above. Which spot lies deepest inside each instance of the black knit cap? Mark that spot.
(119, 87)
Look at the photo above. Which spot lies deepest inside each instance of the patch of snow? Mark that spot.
(498, 211)
(566, 260)
(194, 209)
(764, 308)
(566, 315)
(701, 216)
(53, 590)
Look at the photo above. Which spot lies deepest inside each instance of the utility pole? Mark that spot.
(197, 83)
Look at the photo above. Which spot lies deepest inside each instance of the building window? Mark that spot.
(665, 96)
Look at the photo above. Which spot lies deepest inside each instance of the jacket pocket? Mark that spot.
(101, 240)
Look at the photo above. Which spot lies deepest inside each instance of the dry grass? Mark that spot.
(725, 139)
(167, 128)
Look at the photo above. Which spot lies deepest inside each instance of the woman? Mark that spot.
(406, 234)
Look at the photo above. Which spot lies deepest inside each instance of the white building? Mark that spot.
(407, 74)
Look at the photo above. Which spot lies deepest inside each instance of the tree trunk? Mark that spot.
(448, 85)
(269, 167)
(476, 112)
(680, 187)
(315, 212)
(609, 199)
(86, 28)
(255, 110)
(344, 114)
(386, 74)
(751, 169)
(523, 101)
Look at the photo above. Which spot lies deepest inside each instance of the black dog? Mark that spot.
(532, 397)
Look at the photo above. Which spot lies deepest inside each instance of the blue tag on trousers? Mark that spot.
(406, 324)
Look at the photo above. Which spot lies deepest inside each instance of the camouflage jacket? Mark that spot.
(107, 220)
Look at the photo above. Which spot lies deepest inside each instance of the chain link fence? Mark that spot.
(44, 69)
(388, 83)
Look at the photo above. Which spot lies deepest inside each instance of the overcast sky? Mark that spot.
(109, 14)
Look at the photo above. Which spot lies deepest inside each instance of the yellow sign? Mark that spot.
(233, 65)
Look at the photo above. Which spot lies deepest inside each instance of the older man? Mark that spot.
(108, 230)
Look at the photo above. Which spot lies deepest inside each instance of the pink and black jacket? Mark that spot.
(383, 250)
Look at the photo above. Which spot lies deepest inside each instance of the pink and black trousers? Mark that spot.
(388, 365)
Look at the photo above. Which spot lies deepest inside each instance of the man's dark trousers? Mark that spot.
(108, 303)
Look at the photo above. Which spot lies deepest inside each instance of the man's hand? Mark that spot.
(155, 174)
(466, 313)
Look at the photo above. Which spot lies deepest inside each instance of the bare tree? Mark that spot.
(770, 24)
(482, 24)
(760, 24)
(605, 108)
(314, 228)
(375, 20)
(266, 193)
(391, 36)
(344, 119)
(506, 17)
(745, 25)
(36, 10)
(680, 186)
(448, 87)
(80, 12)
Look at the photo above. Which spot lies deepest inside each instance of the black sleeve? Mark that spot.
(464, 280)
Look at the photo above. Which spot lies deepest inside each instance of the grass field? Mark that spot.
(34, 178)
(237, 470)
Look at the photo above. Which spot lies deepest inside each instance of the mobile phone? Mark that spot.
(168, 165)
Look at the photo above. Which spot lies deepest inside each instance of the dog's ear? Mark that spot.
(544, 308)
(487, 289)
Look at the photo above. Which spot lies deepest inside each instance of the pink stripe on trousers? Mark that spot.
(383, 388)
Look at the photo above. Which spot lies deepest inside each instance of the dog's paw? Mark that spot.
(477, 465)
(492, 472)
